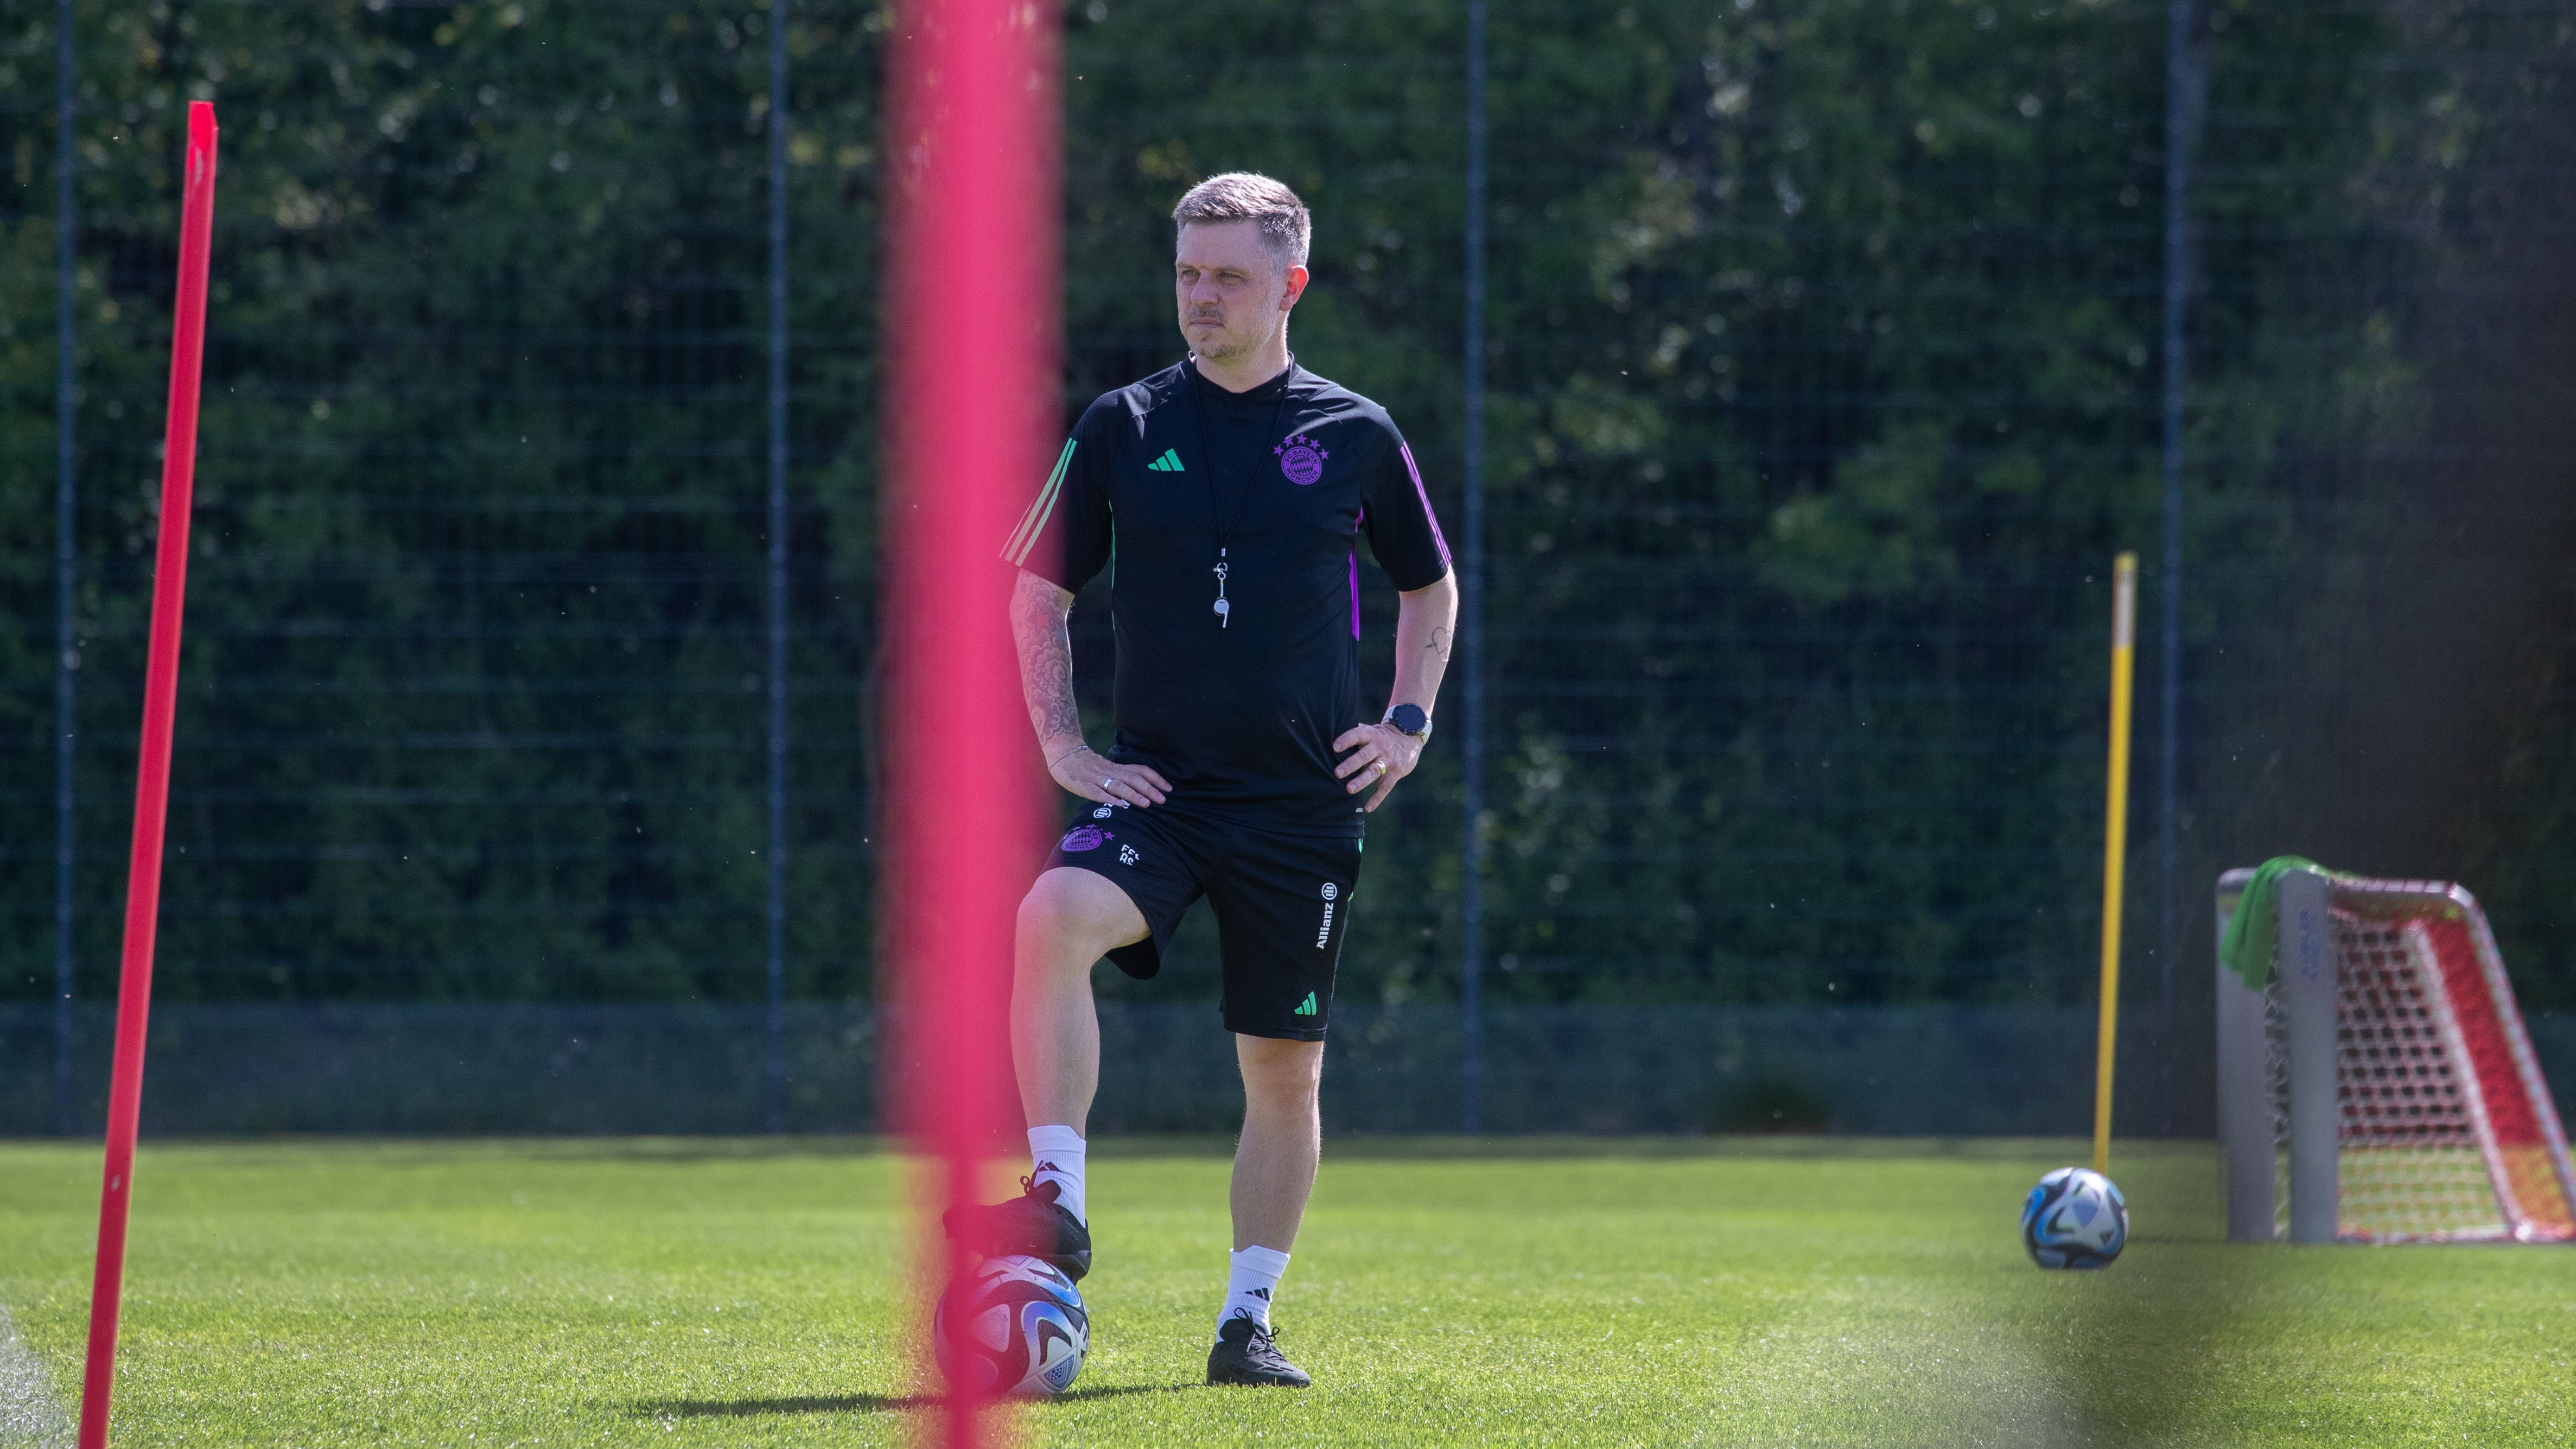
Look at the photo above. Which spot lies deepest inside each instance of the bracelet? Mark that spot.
(1067, 755)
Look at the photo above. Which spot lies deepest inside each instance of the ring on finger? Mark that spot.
(1107, 784)
(1381, 767)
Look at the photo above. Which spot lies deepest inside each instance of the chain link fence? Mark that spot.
(1823, 361)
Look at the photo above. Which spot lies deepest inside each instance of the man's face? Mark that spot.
(1232, 293)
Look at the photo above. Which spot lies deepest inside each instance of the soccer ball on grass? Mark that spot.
(1013, 1326)
(2075, 1218)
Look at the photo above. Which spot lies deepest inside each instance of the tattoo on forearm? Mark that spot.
(1439, 642)
(1046, 671)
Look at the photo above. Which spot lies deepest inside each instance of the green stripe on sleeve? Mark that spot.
(1025, 537)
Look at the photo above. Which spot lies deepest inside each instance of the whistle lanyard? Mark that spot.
(1225, 530)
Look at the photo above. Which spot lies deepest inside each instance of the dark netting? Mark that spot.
(474, 698)
(1823, 365)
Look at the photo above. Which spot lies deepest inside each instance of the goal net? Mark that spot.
(2377, 1086)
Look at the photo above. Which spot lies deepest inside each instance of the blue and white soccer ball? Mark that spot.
(2075, 1218)
(1013, 1326)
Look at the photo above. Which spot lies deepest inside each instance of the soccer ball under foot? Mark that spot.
(2075, 1218)
(1013, 1326)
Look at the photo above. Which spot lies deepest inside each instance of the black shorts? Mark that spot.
(1282, 903)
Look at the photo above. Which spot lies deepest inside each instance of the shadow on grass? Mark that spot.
(1547, 1147)
(854, 1403)
(679, 1151)
(2130, 1346)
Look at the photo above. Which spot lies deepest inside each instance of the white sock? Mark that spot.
(1057, 1154)
(1250, 1281)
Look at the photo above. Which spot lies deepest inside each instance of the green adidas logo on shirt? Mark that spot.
(1307, 1008)
(1170, 462)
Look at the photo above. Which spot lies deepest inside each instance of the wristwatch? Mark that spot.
(1410, 720)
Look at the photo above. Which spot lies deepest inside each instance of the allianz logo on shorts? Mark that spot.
(1324, 932)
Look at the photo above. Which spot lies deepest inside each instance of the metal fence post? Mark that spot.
(774, 1033)
(2183, 96)
(1471, 630)
(66, 559)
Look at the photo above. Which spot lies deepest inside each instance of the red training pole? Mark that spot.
(152, 773)
(971, 403)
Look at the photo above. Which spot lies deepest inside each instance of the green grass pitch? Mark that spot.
(1789, 1291)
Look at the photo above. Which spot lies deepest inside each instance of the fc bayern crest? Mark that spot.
(1302, 459)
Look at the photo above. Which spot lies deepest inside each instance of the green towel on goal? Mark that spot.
(2254, 930)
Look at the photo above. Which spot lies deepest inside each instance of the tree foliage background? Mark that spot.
(1824, 367)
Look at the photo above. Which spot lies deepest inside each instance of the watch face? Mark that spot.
(1409, 718)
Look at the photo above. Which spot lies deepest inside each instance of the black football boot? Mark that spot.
(1033, 1225)
(1245, 1354)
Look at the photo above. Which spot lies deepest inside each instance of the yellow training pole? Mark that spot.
(2115, 841)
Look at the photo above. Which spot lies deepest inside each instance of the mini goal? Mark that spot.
(2379, 1086)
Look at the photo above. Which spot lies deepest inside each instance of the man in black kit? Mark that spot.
(1227, 495)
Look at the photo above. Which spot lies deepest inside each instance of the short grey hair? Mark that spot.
(1250, 196)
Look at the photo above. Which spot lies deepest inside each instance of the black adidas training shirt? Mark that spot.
(1239, 712)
